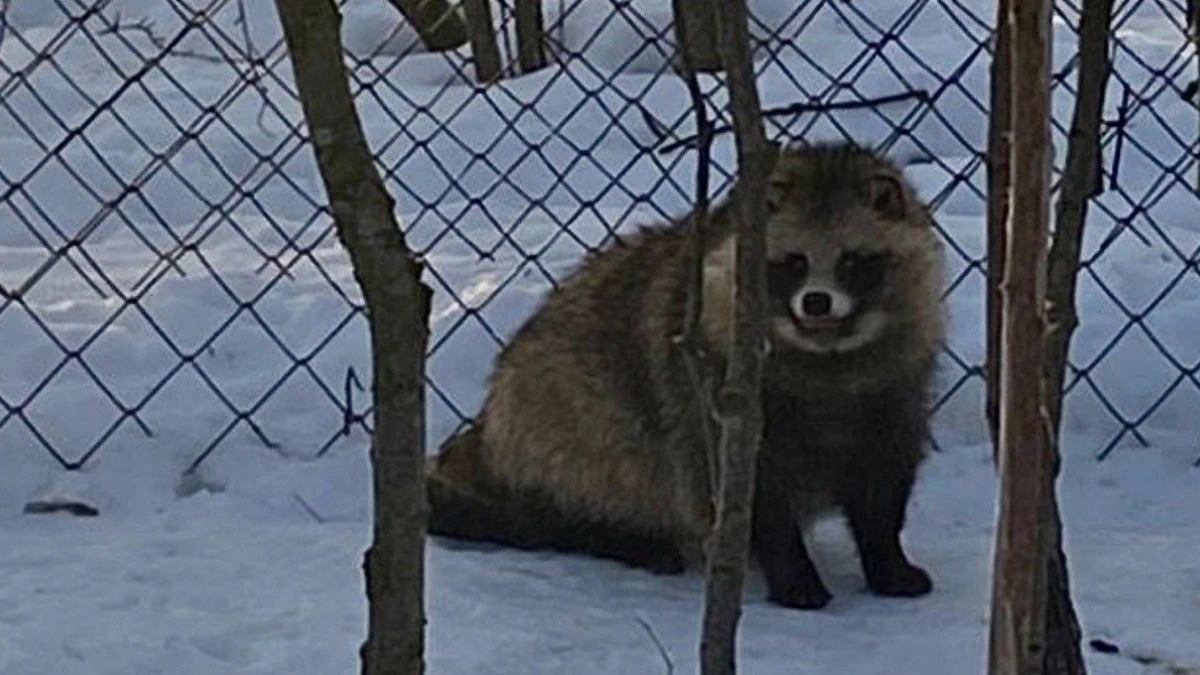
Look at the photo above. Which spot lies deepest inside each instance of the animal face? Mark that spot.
(838, 227)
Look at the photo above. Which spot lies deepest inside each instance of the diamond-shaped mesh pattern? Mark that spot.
(168, 255)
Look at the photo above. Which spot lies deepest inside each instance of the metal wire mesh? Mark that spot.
(173, 258)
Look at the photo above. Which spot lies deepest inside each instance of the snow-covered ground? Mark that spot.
(250, 564)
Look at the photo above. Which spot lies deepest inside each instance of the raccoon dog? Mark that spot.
(590, 437)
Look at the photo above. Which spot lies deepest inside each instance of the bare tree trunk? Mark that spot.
(739, 402)
(999, 180)
(436, 21)
(702, 50)
(482, 31)
(1019, 597)
(398, 308)
(1081, 181)
(531, 34)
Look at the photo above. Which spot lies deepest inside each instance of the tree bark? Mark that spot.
(998, 182)
(700, 370)
(1019, 597)
(738, 403)
(702, 51)
(482, 32)
(398, 310)
(531, 34)
(436, 22)
(1081, 181)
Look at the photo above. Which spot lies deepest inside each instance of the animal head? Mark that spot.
(851, 250)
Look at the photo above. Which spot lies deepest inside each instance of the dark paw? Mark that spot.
(904, 581)
(801, 596)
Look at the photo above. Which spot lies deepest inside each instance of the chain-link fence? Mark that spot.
(169, 271)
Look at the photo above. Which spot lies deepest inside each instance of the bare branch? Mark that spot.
(998, 183)
(482, 32)
(308, 508)
(1081, 181)
(921, 95)
(668, 664)
(740, 429)
(531, 35)
(436, 22)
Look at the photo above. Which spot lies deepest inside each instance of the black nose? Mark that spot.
(817, 303)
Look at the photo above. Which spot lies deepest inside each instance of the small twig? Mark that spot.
(662, 649)
(654, 124)
(921, 95)
(349, 417)
(1143, 658)
(1120, 123)
(317, 517)
(255, 61)
(250, 58)
(145, 28)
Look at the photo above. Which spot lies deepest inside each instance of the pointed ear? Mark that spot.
(887, 197)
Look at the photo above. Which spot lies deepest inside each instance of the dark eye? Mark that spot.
(786, 275)
(861, 273)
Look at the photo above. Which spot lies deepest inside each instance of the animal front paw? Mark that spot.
(903, 580)
(801, 595)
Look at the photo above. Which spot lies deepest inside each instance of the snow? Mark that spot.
(250, 563)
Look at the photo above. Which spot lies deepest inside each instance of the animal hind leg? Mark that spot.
(531, 522)
(466, 504)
